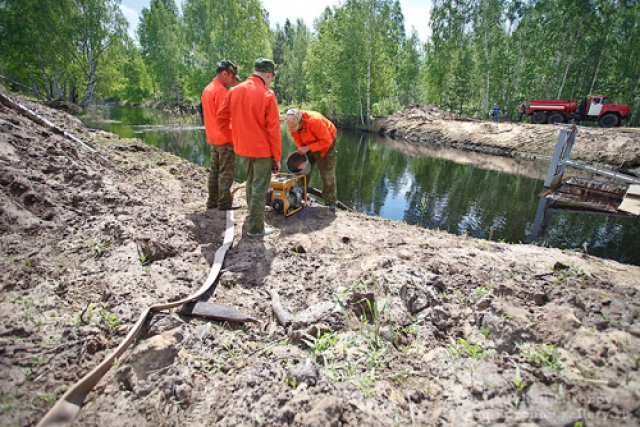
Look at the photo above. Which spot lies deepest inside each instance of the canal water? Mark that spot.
(438, 188)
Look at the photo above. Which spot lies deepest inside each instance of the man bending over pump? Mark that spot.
(315, 136)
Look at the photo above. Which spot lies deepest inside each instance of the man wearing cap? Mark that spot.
(223, 159)
(253, 109)
(315, 136)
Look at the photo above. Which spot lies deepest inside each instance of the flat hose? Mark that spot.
(69, 405)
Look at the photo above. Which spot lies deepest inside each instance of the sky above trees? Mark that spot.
(416, 12)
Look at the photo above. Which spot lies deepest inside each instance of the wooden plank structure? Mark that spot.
(584, 194)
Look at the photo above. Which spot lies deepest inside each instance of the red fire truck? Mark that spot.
(594, 108)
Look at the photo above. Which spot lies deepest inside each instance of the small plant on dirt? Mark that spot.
(508, 316)
(576, 270)
(366, 383)
(472, 350)
(371, 332)
(4, 403)
(357, 286)
(375, 357)
(486, 332)
(541, 355)
(480, 292)
(37, 360)
(292, 382)
(97, 249)
(111, 320)
(519, 386)
(609, 320)
(340, 374)
(423, 207)
(144, 259)
(454, 350)
(228, 342)
(461, 298)
(321, 343)
(586, 373)
(398, 377)
(49, 398)
(28, 305)
(85, 315)
(116, 363)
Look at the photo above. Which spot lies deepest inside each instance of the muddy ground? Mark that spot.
(391, 324)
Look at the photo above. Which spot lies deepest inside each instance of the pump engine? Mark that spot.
(287, 193)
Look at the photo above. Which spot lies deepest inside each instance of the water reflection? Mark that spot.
(435, 187)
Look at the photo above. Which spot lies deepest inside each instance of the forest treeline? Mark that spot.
(353, 63)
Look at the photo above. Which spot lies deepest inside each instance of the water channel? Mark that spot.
(436, 187)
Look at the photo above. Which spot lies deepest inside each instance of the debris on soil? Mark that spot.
(378, 323)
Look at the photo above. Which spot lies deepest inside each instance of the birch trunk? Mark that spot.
(566, 71)
(595, 75)
(552, 81)
(486, 58)
(371, 18)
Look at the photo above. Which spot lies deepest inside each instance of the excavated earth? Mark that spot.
(390, 324)
(616, 148)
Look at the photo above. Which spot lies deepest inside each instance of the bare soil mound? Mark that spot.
(390, 324)
(618, 148)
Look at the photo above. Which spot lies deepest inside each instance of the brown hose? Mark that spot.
(69, 405)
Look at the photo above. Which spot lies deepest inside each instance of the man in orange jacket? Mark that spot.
(315, 136)
(223, 158)
(253, 109)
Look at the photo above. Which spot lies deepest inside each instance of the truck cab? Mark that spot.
(595, 106)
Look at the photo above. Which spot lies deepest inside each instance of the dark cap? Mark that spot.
(264, 65)
(229, 66)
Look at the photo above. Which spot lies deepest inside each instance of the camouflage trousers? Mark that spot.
(327, 169)
(223, 169)
(258, 181)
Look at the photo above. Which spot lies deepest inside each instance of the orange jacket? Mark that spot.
(212, 98)
(253, 108)
(316, 131)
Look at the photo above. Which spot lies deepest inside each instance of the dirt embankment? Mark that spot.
(392, 324)
(618, 148)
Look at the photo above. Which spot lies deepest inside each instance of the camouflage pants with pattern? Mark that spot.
(327, 169)
(223, 169)
(258, 181)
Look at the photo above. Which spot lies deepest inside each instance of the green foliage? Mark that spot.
(520, 387)
(222, 29)
(160, 32)
(56, 47)
(97, 249)
(290, 45)
(366, 383)
(102, 316)
(541, 355)
(472, 350)
(480, 292)
(321, 343)
(356, 62)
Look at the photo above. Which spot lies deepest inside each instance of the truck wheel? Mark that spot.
(556, 118)
(539, 117)
(609, 120)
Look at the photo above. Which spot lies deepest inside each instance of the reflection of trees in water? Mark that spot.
(607, 236)
(475, 199)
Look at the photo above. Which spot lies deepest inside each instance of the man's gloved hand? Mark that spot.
(275, 168)
(303, 149)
